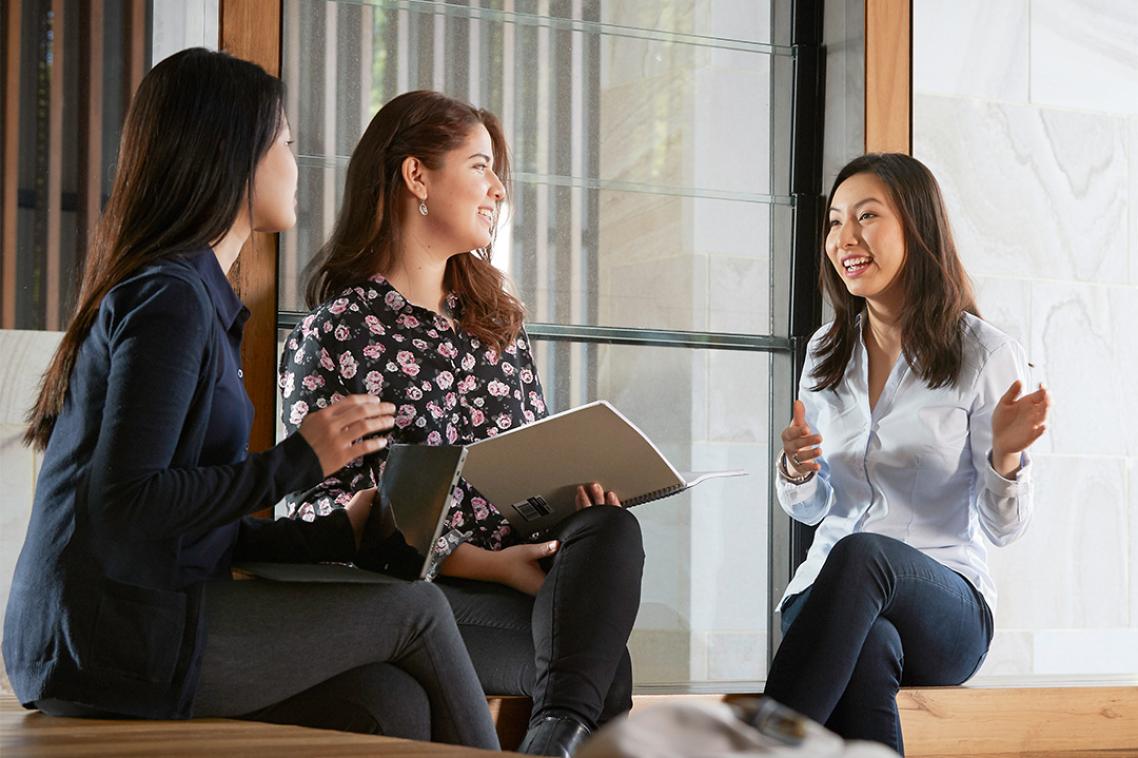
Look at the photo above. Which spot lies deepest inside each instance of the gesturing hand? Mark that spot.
(594, 494)
(519, 567)
(1016, 423)
(343, 432)
(800, 444)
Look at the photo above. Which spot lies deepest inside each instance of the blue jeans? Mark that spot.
(880, 615)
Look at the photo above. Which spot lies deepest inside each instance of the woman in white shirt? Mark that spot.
(917, 404)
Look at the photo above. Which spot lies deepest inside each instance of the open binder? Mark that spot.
(531, 473)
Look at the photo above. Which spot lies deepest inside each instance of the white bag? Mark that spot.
(703, 730)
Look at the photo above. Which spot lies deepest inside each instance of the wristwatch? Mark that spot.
(786, 475)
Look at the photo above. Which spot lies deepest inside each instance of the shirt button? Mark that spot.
(240, 374)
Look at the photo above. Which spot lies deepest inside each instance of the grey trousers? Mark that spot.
(380, 658)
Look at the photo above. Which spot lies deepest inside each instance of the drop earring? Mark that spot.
(422, 207)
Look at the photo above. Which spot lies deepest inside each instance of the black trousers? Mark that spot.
(566, 648)
(373, 658)
(382, 658)
(881, 614)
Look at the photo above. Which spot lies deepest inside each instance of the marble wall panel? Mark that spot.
(1083, 54)
(1086, 651)
(1132, 195)
(1006, 304)
(980, 48)
(1082, 337)
(1132, 510)
(1011, 654)
(1070, 570)
(1031, 192)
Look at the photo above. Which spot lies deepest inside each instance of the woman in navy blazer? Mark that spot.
(144, 497)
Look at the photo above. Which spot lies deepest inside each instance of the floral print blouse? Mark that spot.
(447, 387)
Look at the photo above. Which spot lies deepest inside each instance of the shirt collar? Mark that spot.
(229, 307)
(453, 309)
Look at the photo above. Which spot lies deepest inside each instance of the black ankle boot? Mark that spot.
(555, 735)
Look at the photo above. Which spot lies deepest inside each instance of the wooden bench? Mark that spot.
(1063, 722)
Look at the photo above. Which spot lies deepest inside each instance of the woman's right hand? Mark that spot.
(800, 445)
(519, 566)
(344, 431)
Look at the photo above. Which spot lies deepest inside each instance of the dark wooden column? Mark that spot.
(251, 29)
(11, 188)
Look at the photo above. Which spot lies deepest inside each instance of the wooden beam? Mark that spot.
(251, 29)
(888, 76)
(91, 24)
(11, 188)
(135, 38)
(54, 199)
(967, 721)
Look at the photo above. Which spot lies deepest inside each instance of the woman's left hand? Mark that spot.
(592, 494)
(1017, 422)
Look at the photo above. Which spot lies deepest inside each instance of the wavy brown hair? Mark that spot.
(195, 131)
(366, 238)
(937, 292)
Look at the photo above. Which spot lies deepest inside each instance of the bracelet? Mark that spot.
(786, 475)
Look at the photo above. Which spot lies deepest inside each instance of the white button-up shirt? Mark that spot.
(918, 466)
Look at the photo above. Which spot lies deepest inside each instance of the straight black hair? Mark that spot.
(196, 129)
(936, 288)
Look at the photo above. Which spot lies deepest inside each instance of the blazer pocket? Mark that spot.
(138, 631)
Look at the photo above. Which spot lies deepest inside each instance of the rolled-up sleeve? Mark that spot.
(1004, 505)
(810, 501)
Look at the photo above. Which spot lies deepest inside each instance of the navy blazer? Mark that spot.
(100, 612)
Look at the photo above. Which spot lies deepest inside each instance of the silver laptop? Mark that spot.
(414, 498)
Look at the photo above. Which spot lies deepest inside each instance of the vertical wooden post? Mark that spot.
(90, 122)
(251, 29)
(135, 37)
(11, 186)
(54, 200)
(889, 76)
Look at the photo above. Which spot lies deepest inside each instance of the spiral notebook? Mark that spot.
(531, 473)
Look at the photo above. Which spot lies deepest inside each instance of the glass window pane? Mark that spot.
(645, 196)
(638, 151)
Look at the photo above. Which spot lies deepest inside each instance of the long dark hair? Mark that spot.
(425, 125)
(936, 289)
(195, 131)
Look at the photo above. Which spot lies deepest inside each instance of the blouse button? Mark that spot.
(240, 374)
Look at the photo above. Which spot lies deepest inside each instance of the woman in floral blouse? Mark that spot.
(407, 307)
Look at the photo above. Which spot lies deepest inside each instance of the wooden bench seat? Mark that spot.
(1058, 722)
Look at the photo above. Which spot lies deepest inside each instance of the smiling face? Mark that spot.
(464, 195)
(865, 241)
